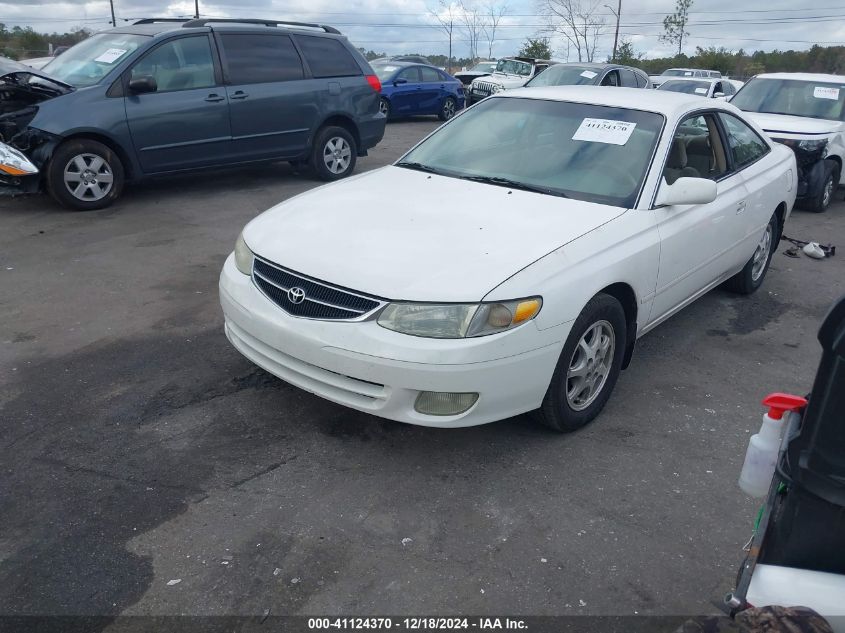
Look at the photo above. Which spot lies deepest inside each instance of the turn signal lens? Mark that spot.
(14, 163)
(526, 310)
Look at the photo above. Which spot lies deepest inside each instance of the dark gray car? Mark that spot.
(592, 74)
(163, 96)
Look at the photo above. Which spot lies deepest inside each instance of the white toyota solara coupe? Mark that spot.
(510, 260)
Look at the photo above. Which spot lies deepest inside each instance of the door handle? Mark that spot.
(214, 97)
(239, 94)
(740, 207)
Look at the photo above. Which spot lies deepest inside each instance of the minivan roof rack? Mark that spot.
(204, 21)
(156, 20)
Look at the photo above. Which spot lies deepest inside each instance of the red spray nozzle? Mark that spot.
(778, 403)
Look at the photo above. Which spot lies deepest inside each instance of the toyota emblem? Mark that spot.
(296, 295)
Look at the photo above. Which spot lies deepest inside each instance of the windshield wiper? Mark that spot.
(417, 166)
(513, 184)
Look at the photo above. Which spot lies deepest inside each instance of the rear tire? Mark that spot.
(821, 201)
(448, 109)
(384, 106)
(84, 175)
(588, 367)
(334, 154)
(751, 277)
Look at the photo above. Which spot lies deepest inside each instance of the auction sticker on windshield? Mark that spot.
(111, 55)
(821, 92)
(701, 91)
(604, 131)
(589, 74)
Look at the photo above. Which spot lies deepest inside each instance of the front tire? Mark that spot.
(588, 366)
(750, 278)
(821, 201)
(448, 110)
(84, 175)
(334, 153)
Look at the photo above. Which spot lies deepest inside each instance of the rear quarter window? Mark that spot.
(253, 58)
(327, 57)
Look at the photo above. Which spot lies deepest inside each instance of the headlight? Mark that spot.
(813, 146)
(14, 163)
(243, 256)
(496, 88)
(458, 320)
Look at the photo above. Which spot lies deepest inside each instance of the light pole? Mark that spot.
(197, 8)
(618, 14)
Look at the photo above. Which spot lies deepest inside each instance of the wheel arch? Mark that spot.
(626, 296)
(344, 121)
(129, 168)
(780, 212)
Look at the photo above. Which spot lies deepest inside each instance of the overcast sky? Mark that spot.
(404, 26)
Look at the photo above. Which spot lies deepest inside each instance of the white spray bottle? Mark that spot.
(763, 447)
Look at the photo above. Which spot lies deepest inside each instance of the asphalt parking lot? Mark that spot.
(140, 448)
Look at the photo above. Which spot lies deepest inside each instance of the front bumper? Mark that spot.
(369, 368)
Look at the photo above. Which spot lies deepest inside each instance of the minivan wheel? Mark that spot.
(84, 175)
(334, 153)
(588, 366)
(450, 106)
(747, 280)
(824, 196)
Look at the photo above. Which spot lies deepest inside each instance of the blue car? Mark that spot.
(408, 89)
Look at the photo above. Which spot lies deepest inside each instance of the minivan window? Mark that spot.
(180, 64)
(327, 57)
(92, 59)
(253, 59)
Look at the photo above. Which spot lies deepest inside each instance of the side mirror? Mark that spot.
(719, 95)
(686, 191)
(400, 81)
(142, 84)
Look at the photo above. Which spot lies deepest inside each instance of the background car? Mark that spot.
(481, 69)
(409, 89)
(162, 96)
(711, 88)
(39, 62)
(511, 72)
(806, 112)
(545, 231)
(691, 73)
(590, 74)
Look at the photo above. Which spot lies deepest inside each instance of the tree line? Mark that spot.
(23, 42)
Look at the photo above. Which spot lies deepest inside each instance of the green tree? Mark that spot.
(536, 47)
(675, 25)
(626, 54)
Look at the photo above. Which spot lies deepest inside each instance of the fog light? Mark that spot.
(444, 403)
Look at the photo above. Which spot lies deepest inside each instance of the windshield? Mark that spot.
(678, 72)
(92, 59)
(384, 71)
(513, 67)
(813, 99)
(686, 86)
(587, 152)
(483, 67)
(563, 75)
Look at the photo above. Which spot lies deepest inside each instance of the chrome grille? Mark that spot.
(320, 301)
(484, 87)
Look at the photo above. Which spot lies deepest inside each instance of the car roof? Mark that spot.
(804, 77)
(670, 104)
(160, 26)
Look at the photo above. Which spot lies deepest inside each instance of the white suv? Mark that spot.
(511, 72)
(806, 112)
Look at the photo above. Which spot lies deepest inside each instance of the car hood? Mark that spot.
(783, 123)
(508, 81)
(403, 234)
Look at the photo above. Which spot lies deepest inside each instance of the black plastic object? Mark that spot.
(807, 526)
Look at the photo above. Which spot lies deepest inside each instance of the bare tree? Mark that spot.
(675, 25)
(446, 15)
(495, 13)
(578, 21)
(473, 27)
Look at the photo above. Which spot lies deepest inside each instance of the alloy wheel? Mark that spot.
(761, 254)
(449, 109)
(337, 154)
(590, 365)
(88, 177)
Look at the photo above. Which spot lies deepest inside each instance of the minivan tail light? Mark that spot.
(374, 82)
